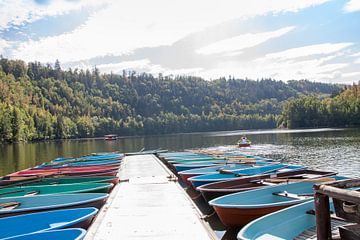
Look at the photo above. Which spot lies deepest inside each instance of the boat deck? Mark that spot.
(150, 205)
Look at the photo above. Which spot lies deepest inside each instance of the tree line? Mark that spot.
(339, 110)
(39, 102)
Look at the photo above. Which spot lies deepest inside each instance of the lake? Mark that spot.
(327, 149)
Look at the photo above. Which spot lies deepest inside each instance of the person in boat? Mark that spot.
(244, 140)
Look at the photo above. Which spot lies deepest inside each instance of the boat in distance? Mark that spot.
(45, 221)
(61, 234)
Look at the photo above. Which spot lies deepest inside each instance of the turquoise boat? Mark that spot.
(62, 234)
(110, 156)
(55, 189)
(11, 206)
(185, 175)
(238, 209)
(199, 164)
(44, 221)
(288, 223)
(79, 164)
(229, 175)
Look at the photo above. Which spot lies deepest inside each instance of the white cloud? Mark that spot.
(355, 55)
(352, 6)
(351, 74)
(315, 69)
(124, 26)
(357, 61)
(18, 12)
(142, 65)
(242, 41)
(3, 45)
(317, 49)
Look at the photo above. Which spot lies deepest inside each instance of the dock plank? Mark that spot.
(148, 206)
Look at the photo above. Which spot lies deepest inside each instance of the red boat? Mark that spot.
(68, 171)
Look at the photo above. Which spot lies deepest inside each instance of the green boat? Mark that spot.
(55, 189)
(66, 180)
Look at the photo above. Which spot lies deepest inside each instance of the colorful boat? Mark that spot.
(230, 175)
(44, 221)
(65, 171)
(185, 175)
(67, 180)
(62, 234)
(11, 206)
(188, 166)
(55, 189)
(102, 163)
(93, 157)
(238, 209)
(218, 189)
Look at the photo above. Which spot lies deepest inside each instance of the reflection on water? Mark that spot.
(328, 149)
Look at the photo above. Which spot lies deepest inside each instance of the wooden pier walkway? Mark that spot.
(150, 205)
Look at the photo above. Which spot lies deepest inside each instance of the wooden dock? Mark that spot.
(150, 205)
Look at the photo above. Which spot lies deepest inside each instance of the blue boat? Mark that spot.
(188, 166)
(44, 221)
(110, 156)
(11, 206)
(238, 209)
(185, 175)
(229, 175)
(288, 223)
(79, 164)
(63, 234)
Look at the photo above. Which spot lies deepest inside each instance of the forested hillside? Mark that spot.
(341, 110)
(45, 102)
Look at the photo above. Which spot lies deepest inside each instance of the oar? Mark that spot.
(294, 195)
(8, 206)
(276, 180)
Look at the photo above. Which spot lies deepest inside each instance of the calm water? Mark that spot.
(328, 149)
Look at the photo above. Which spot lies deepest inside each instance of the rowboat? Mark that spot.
(55, 189)
(188, 160)
(111, 156)
(44, 221)
(229, 175)
(218, 189)
(11, 206)
(66, 171)
(102, 163)
(188, 166)
(288, 223)
(238, 209)
(67, 180)
(185, 175)
(62, 234)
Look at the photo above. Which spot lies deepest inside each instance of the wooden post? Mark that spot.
(322, 212)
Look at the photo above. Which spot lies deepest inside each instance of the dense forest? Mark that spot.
(342, 110)
(45, 102)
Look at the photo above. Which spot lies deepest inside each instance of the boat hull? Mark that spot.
(238, 217)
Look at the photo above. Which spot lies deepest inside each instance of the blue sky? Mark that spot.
(317, 40)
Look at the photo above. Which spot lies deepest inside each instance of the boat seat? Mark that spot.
(8, 206)
(294, 195)
(32, 193)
